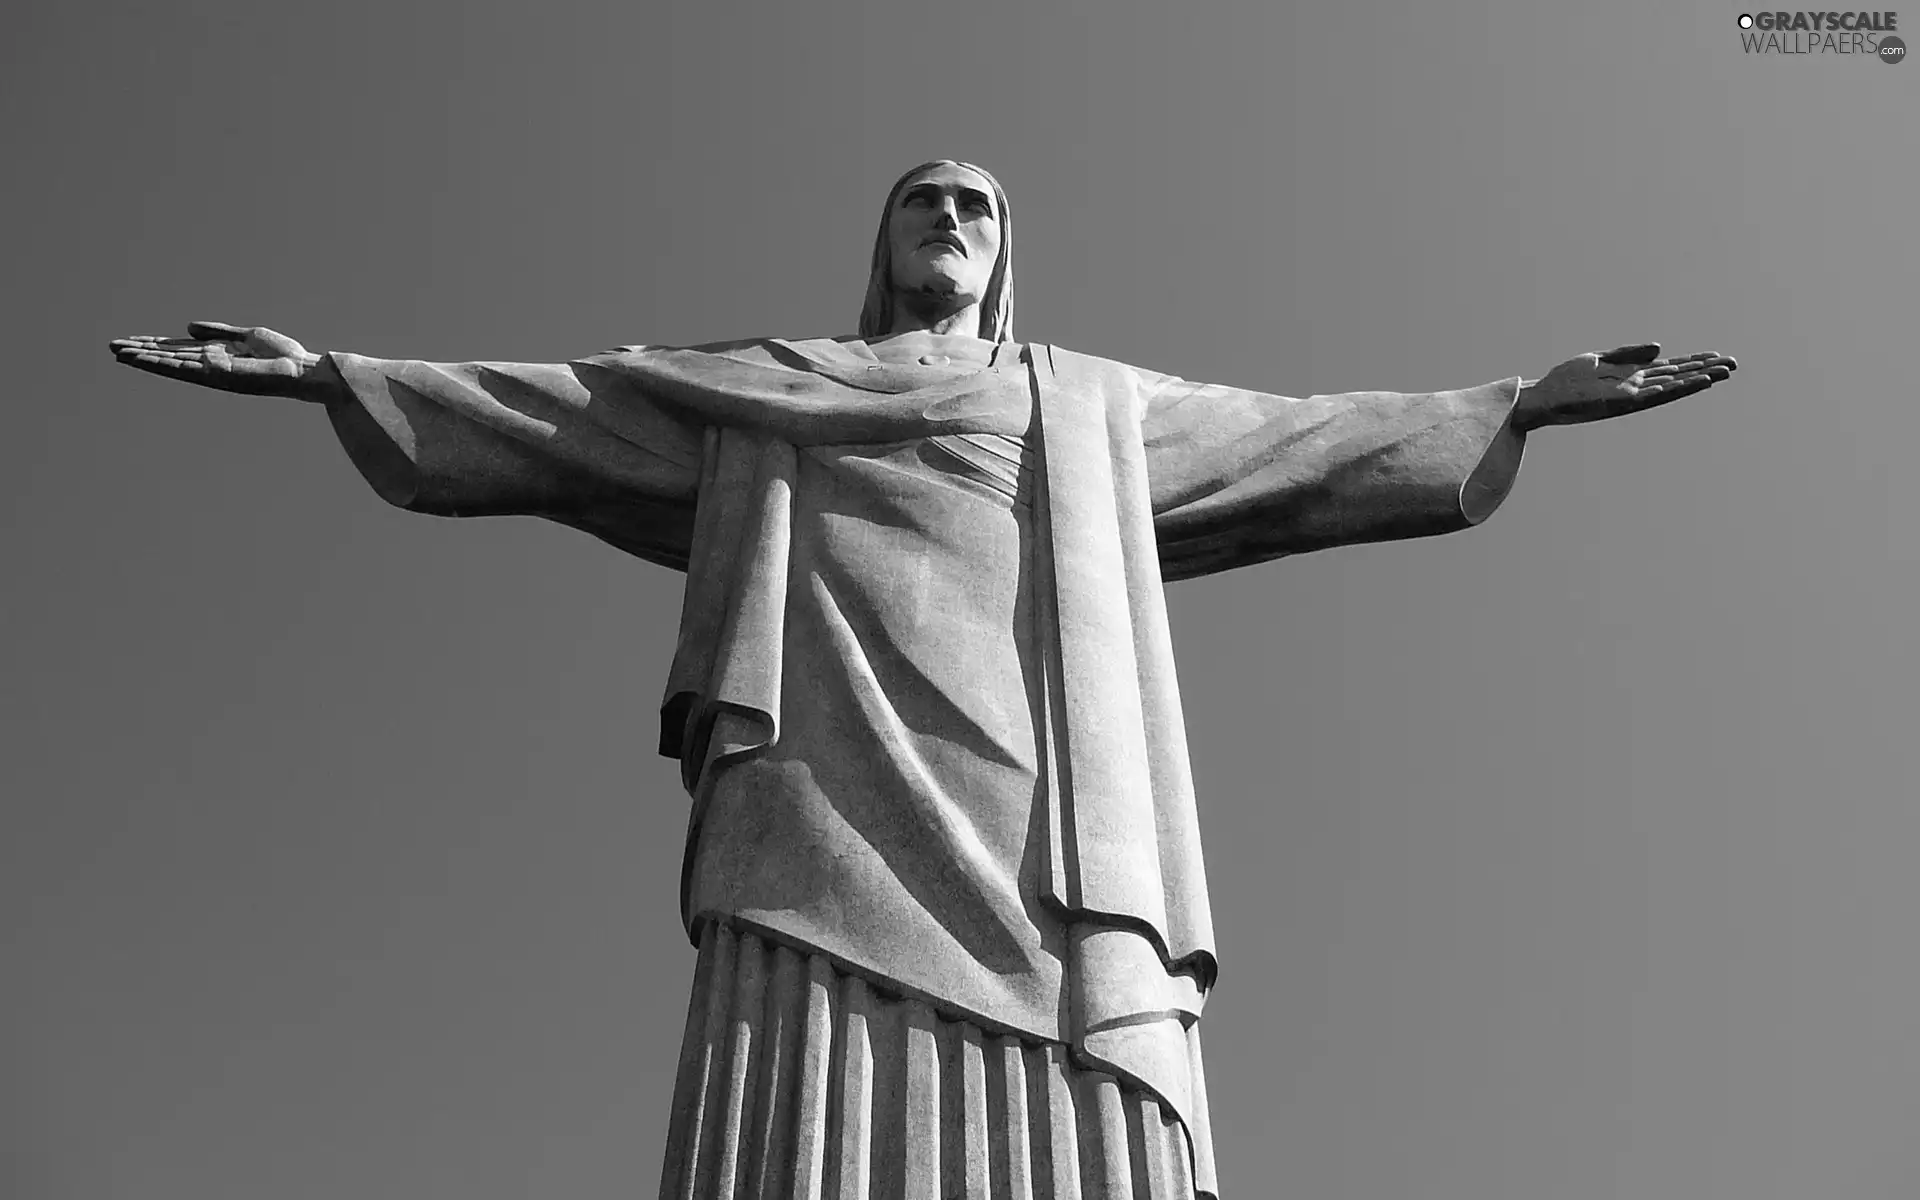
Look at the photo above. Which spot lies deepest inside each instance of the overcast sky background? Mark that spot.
(1571, 856)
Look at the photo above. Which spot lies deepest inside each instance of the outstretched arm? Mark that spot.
(575, 442)
(1241, 477)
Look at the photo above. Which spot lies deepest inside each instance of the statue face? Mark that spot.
(944, 234)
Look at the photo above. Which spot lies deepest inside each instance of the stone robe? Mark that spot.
(924, 696)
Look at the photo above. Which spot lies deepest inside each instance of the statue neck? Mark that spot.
(934, 314)
(920, 346)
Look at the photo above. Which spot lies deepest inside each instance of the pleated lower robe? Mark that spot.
(798, 1079)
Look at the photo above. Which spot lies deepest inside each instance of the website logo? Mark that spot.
(1860, 36)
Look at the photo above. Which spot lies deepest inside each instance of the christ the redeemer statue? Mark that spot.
(943, 861)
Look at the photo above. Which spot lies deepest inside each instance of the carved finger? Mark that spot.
(1682, 368)
(160, 343)
(1674, 383)
(154, 346)
(1635, 355)
(173, 367)
(208, 331)
(1668, 393)
(1703, 362)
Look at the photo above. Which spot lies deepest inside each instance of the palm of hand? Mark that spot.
(255, 361)
(1593, 387)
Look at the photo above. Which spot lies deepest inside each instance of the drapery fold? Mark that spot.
(801, 1081)
(1120, 804)
(1129, 834)
(1121, 810)
(732, 617)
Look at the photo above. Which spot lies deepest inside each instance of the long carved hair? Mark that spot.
(996, 307)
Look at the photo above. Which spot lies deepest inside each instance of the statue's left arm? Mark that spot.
(1240, 477)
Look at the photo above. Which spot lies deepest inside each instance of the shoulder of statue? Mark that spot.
(1064, 360)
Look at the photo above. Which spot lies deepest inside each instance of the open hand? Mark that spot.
(255, 361)
(1594, 387)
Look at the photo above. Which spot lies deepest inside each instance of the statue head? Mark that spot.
(945, 238)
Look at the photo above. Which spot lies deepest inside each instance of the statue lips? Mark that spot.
(944, 239)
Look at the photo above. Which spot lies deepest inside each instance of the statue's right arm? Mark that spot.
(580, 442)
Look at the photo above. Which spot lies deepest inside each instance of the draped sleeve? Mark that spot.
(1240, 477)
(582, 443)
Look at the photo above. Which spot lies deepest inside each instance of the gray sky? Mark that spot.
(1569, 856)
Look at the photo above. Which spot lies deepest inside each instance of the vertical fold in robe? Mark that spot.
(734, 611)
(799, 1082)
(1130, 831)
